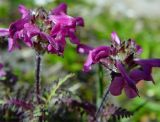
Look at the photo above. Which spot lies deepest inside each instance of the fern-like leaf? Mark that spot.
(116, 113)
(53, 90)
(19, 103)
(122, 113)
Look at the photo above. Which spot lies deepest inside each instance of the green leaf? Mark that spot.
(37, 111)
(55, 87)
(2, 102)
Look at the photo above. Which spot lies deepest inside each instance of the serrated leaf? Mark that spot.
(56, 87)
(37, 112)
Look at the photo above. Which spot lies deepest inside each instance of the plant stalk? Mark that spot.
(104, 99)
(37, 76)
(100, 84)
(101, 95)
(38, 84)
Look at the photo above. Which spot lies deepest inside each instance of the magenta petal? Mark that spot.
(84, 49)
(116, 86)
(73, 38)
(23, 10)
(88, 63)
(95, 55)
(51, 49)
(100, 55)
(115, 38)
(27, 40)
(4, 32)
(47, 37)
(100, 52)
(101, 48)
(79, 21)
(12, 44)
(62, 8)
(60, 42)
(55, 29)
(64, 20)
(17, 26)
(29, 31)
(31, 28)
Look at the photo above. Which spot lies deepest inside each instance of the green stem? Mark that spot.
(101, 94)
(100, 84)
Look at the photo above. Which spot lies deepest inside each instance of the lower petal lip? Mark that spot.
(124, 74)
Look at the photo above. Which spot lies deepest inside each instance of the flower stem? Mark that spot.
(38, 85)
(101, 76)
(104, 99)
(100, 84)
(37, 76)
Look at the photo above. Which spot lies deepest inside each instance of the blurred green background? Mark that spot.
(138, 19)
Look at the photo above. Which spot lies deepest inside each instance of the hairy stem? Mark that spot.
(37, 76)
(100, 84)
(104, 99)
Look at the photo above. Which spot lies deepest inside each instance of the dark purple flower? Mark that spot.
(121, 60)
(118, 84)
(124, 81)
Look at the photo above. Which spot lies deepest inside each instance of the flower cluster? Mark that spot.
(43, 31)
(47, 31)
(121, 59)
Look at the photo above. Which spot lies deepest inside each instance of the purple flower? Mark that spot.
(120, 59)
(64, 25)
(16, 29)
(124, 81)
(43, 31)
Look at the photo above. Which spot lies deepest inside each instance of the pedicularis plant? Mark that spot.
(47, 32)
